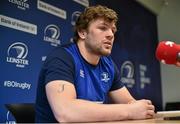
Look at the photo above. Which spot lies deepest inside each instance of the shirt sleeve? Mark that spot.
(59, 66)
(117, 84)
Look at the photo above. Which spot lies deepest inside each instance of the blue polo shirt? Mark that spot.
(91, 82)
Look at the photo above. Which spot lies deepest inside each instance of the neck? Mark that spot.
(87, 54)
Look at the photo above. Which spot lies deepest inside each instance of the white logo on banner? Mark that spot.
(51, 9)
(83, 2)
(18, 24)
(8, 120)
(17, 52)
(15, 84)
(127, 73)
(21, 4)
(74, 17)
(143, 79)
(43, 58)
(51, 34)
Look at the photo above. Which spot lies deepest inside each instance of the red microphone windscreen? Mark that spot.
(167, 52)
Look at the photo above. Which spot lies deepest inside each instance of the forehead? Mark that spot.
(101, 21)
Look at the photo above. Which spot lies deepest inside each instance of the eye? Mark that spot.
(103, 28)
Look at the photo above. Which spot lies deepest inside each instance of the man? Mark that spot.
(76, 79)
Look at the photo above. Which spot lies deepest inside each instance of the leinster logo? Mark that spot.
(127, 73)
(21, 4)
(51, 34)
(74, 17)
(9, 119)
(105, 77)
(17, 53)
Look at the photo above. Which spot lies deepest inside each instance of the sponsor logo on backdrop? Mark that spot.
(21, 4)
(15, 84)
(127, 74)
(8, 121)
(51, 34)
(51, 9)
(18, 24)
(143, 79)
(74, 17)
(83, 2)
(43, 58)
(17, 53)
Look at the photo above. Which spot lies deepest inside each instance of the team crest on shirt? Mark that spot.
(105, 77)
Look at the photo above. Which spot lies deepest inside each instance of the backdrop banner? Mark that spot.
(134, 50)
(30, 29)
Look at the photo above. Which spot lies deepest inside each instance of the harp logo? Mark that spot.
(74, 17)
(127, 74)
(17, 53)
(51, 34)
(105, 77)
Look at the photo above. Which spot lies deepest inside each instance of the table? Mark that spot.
(155, 120)
(159, 118)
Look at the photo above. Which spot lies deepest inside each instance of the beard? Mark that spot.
(104, 51)
(99, 49)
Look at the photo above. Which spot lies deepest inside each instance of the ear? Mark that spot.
(82, 34)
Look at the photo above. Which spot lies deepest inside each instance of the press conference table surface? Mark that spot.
(147, 121)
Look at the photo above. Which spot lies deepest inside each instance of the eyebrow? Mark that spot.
(108, 24)
(104, 23)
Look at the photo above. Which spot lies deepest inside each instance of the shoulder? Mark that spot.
(59, 65)
(59, 53)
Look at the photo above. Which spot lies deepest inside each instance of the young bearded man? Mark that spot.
(76, 79)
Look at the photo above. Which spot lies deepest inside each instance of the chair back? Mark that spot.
(23, 113)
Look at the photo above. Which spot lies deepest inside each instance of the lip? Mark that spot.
(108, 43)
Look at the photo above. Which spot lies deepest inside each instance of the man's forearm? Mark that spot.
(86, 111)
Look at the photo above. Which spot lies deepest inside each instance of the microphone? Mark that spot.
(168, 52)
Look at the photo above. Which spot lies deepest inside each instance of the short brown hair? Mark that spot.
(92, 13)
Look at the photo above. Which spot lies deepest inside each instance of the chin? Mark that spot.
(106, 53)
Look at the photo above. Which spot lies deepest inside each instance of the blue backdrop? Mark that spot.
(29, 30)
(134, 50)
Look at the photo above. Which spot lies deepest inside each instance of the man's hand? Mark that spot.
(141, 109)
